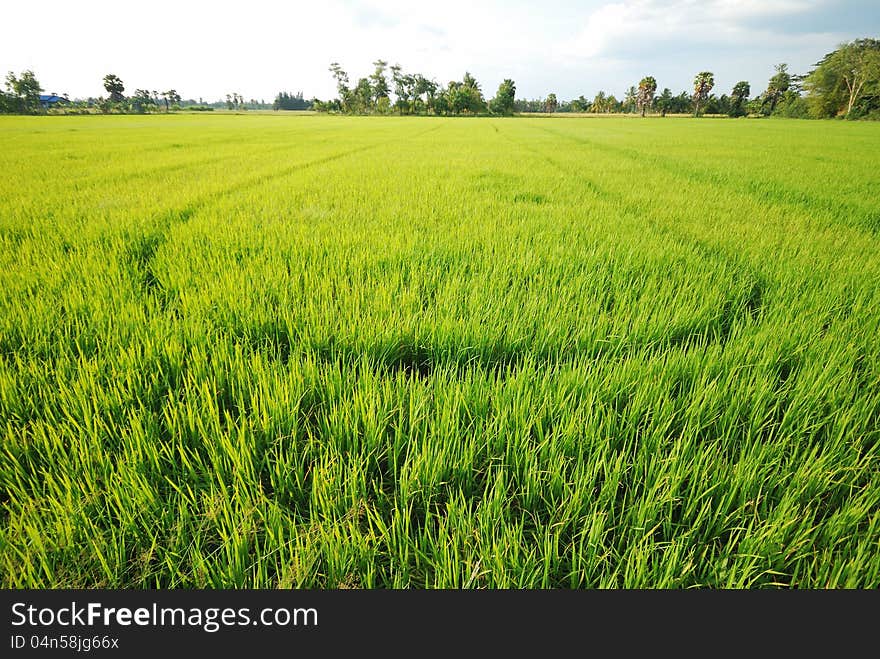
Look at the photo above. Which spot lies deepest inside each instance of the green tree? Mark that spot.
(845, 78)
(600, 103)
(346, 95)
(378, 81)
(113, 85)
(8, 103)
(645, 94)
(23, 92)
(466, 96)
(426, 91)
(664, 101)
(362, 96)
(442, 105)
(579, 104)
(171, 96)
(551, 103)
(141, 101)
(629, 100)
(404, 89)
(505, 98)
(738, 98)
(703, 84)
(776, 88)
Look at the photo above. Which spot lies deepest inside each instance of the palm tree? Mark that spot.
(645, 95)
(703, 83)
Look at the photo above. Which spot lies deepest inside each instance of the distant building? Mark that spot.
(51, 100)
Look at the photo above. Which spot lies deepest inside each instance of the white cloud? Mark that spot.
(633, 26)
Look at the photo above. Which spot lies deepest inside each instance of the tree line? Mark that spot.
(22, 96)
(844, 83)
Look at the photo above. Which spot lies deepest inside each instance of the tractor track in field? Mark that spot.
(142, 249)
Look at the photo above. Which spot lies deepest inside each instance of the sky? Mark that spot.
(260, 47)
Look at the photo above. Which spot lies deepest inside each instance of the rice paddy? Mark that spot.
(338, 352)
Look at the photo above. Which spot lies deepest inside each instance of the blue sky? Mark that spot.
(258, 47)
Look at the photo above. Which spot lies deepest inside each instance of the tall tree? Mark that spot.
(426, 91)
(113, 85)
(24, 92)
(378, 80)
(551, 103)
(362, 96)
(346, 95)
(467, 95)
(703, 84)
(404, 89)
(738, 98)
(141, 101)
(579, 104)
(843, 78)
(629, 100)
(645, 94)
(600, 102)
(776, 88)
(505, 98)
(170, 96)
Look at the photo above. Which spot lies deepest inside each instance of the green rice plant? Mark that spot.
(341, 352)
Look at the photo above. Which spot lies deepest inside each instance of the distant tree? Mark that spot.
(458, 97)
(170, 96)
(738, 98)
(113, 85)
(629, 100)
(362, 101)
(776, 88)
(703, 84)
(682, 104)
(378, 81)
(844, 79)
(600, 102)
(442, 105)
(346, 95)
(664, 101)
(141, 101)
(645, 94)
(716, 105)
(404, 89)
(286, 101)
(23, 92)
(8, 103)
(465, 96)
(505, 97)
(551, 103)
(425, 91)
(579, 104)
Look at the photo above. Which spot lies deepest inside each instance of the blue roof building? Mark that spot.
(48, 100)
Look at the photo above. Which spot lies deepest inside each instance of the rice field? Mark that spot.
(338, 352)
